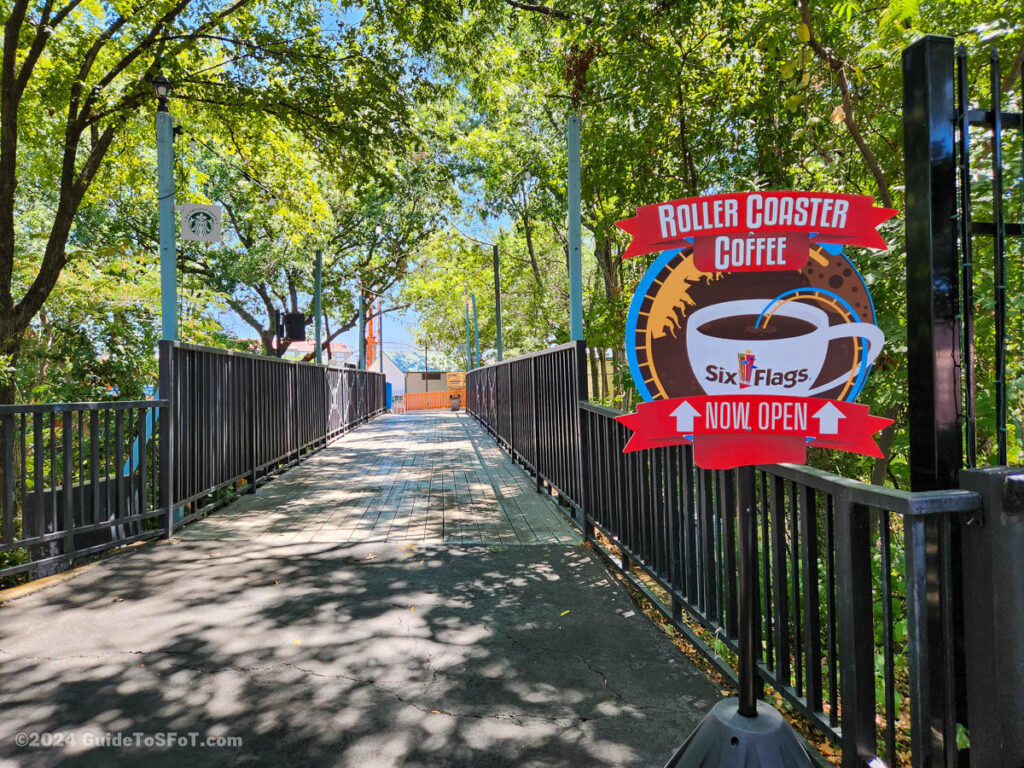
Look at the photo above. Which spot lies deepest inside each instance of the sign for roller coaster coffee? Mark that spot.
(752, 333)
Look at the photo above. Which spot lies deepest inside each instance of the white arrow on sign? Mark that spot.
(684, 415)
(828, 419)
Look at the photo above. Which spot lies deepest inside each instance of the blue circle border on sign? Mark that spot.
(640, 293)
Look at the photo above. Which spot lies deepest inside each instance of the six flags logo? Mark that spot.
(746, 368)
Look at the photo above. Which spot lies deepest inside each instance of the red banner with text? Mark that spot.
(756, 231)
(729, 431)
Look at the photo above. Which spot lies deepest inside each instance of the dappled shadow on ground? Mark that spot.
(363, 655)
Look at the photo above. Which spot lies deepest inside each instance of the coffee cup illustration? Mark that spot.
(737, 347)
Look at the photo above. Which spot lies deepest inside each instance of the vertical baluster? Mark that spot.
(39, 469)
(856, 629)
(8, 478)
(67, 485)
(966, 257)
(779, 594)
(766, 575)
(94, 465)
(53, 524)
(811, 606)
(83, 518)
(119, 508)
(730, 568)
(830, 613)
(885, 551)
(143, 468)
(794, 558)
(998, 253)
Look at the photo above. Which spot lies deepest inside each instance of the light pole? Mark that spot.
(575, 222)
(497, 298)
(362, 330)
(318, 278)
(165, 198)
(476, 331)
(497, 291)
(380, 330)
(469, 349)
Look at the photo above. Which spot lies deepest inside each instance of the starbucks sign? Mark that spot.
(200, 222)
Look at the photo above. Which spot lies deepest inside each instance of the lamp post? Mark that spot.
(318, 278)
(362, 331)
(165, 198)
(469, 349)
(497, 293)
(574, 224)
(476, 331)
(497, 298)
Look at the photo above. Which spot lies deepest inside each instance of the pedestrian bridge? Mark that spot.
(336, 585)
(428, 477)
(402, 597)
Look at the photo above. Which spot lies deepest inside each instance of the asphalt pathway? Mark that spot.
(368, 654)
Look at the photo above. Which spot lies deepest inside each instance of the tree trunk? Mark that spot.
(594, 385)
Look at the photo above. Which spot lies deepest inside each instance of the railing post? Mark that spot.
(168, 393)
(933, 270)
(294, 386)
(252, 425)
(536, 422)
(856, 633)
(582, 438)
(993, 573)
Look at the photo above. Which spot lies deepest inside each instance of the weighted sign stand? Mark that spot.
(744, 732)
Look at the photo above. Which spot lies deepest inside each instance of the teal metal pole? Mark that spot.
(380, 332)
(476, 333)
(165, 195)
(575, 221)
(318, 278)
(469, 349)
(362, 331)
(497, 299)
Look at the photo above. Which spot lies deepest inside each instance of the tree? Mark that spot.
(75, 75)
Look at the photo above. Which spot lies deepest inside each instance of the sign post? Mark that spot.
(749, 338)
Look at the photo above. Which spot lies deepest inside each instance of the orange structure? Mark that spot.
(432, 401)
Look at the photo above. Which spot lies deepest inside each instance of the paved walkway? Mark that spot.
(422, 652)
(423, 476)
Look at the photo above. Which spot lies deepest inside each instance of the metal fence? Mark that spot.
(530, 405)
(79, 478)
(235, 419)
(855, 581)
(75, 482)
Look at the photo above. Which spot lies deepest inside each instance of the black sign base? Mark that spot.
(727, 739)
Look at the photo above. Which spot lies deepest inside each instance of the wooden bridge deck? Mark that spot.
(430, 476)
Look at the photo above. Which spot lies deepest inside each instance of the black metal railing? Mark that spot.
(236, 419)
(77, 478)
(530, 405)
(998, 130)
(856, 598)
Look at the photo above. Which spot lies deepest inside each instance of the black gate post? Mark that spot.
(933, 335)
(934, 389)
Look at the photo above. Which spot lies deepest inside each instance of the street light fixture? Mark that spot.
(162, 86)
